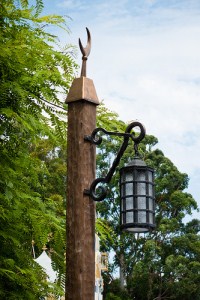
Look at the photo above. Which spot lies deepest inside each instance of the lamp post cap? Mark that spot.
(82, 89)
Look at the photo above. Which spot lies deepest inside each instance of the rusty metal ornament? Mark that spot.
(85, 52)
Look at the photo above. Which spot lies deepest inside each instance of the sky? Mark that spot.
(145, 64)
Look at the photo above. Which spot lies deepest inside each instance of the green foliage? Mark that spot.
(23, 217)
(114, 291)
(30, 69)
(34, 77)
(111, 296)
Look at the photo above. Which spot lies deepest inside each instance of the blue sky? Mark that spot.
(145, 64)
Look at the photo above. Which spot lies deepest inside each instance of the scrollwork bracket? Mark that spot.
(95, 139)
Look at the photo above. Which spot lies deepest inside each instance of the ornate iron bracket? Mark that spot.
(93, 138)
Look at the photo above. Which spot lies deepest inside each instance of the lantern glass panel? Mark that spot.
(142, 217)
(150, 176)
(141, 203)
(150, 218)
(150, 190)
(129, 217)
(141, 188)
(122, 218)
(129, 203)
(150, 204)
(141, 175)
(129, 189)
(129, 176)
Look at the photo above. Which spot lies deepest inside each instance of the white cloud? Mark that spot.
(71, 4)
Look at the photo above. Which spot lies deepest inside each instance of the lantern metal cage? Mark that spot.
(137, 199)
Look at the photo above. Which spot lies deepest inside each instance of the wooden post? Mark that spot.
(81, 164)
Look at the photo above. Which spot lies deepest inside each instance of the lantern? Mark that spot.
(137, 202)
(137, 209)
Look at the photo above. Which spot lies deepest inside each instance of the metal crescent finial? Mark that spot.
(85, 51)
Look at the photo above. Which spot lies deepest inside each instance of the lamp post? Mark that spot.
(137, 207)
(81, 164)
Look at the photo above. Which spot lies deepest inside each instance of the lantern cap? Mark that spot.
(136, 162)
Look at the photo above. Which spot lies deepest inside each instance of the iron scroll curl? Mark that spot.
(139, 138)
(100, 193)
(97, 140)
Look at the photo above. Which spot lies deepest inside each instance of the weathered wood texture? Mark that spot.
(81, 164)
